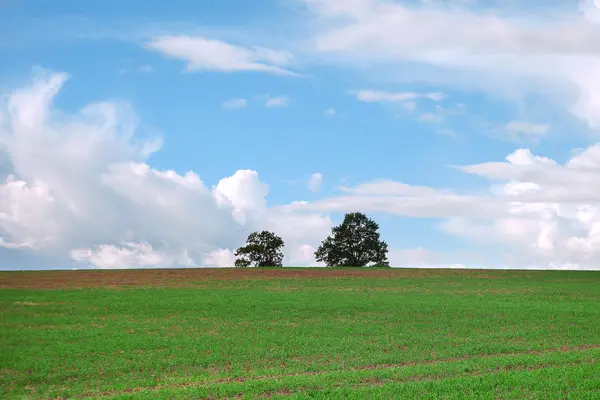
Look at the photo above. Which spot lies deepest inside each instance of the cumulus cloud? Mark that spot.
(301, 233)
(203, 54)
(506, 54)
(539, 213)
(78, 186)
(130, 255)
(221, 258)
(245, 194)
(536, 179)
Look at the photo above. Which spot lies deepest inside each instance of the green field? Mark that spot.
(391, 334)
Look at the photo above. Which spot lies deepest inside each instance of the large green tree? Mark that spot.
(354, 243)
(262, 249)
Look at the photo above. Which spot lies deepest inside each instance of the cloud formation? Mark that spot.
(129, 255)
(374, 96)
(79, 187)
(540, 213)
(203, 54)
(235, 103)
(467, 45)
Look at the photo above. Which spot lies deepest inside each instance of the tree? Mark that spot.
(354, 243)
(263, 249)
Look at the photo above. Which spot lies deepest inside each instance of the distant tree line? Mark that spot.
(353, 243)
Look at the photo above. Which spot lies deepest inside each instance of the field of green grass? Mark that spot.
(388, 334)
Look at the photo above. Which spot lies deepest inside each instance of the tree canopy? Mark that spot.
(262, 249)
(354, 243)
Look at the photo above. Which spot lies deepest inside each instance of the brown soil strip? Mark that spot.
(193, 276)
(361, 368)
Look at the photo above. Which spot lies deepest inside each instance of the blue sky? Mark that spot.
(455, 125)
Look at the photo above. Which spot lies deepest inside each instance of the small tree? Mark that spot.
(263, 249)
(354, 243)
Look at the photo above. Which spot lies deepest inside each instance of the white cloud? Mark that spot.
(542, 215)
(330, 112)
(114, 210)
(555, 55)
(417, 257)
(279, 101)
(79, 187)
(235, 103)
(302, 234)
(374, 96)
(405, 200)
(401, 199)
(315, 182)
(303, 256)
(222, 258)
(420, 257)
(214, 55)
(535, 179)
(131, 255)
(388, 188)
(23, 207)
(245, 194)
(433, 31)
(141, 68)
(591, 10)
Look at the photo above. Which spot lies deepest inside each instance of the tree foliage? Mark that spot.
(262, 249)
(354, 243)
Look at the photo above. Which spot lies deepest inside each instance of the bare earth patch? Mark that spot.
(191, 276)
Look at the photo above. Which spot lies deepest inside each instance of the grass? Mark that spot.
(301, 334)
